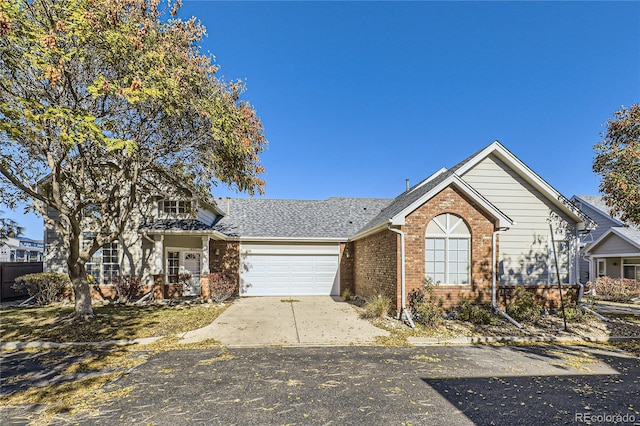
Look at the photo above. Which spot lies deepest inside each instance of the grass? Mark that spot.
(112, 322)
(90, 371)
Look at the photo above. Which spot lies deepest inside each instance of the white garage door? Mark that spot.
(289, 270)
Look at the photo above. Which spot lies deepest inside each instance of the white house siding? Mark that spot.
(524, 249)
(205, 216)
(133, 249)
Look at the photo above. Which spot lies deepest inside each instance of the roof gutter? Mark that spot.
(371, 231)
(403, 314)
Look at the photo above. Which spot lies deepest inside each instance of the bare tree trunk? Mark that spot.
(79, 281)
(81, 291)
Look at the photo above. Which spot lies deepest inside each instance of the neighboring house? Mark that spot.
(21, 249)
(488, 216)
(613, 249)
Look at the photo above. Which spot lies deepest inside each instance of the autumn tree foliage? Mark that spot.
(617, 161)
(103, 103)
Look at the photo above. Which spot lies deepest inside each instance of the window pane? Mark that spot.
(463, 244)
(439, 244)
(439, 256)
(439, 267)
(453, 244)
(430, 244)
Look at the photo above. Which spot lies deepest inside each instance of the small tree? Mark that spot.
(106, 103)
(617, 161)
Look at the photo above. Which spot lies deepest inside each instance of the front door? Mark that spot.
(191, 264)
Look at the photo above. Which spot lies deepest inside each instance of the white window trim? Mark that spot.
(551, 276)
(601, 272)
(446, 237)
(182, 252)
(187, 207)
(100, 279)
(631, 262)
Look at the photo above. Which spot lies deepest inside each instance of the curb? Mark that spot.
(478, 340)
(55, 345)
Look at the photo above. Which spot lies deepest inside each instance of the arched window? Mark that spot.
(448, 250)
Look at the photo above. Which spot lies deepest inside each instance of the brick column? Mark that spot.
(159, 290)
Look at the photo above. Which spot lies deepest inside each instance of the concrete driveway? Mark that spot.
(284, 321)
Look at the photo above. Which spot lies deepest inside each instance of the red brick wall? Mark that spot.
(377, 265)
(227, 260)
(547, 295)
(347, 266)
(452, 201)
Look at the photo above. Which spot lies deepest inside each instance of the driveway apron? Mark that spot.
(284, 321)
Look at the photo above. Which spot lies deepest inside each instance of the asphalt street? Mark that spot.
(365, 385)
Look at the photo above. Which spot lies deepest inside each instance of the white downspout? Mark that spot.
(403, 302)
(494, 302)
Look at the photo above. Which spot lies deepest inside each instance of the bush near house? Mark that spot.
(127, 287)
(45, 287)
(221, 286)
(376, 307)
(425, 308)
(616, 289)
(524, 306)
(474, 313)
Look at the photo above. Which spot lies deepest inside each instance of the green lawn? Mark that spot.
(112, 322)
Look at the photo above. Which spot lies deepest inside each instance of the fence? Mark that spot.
(9, 271)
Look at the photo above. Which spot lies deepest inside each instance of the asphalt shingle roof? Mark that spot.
(409, 197)
(330, 218)
(175, 225)
(596, 201)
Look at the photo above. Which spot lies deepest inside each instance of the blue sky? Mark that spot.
(356, 97)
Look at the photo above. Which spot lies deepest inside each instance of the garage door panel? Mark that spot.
(278, 274)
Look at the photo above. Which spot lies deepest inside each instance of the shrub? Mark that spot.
(428, 314)
(346, 295)
(127, 287)
(376, 307)
(221, 286)
(424, 305)
(616, 289)
(474, 313)
(45, 287)
(524, 306)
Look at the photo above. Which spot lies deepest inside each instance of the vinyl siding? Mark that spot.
(614, 245)
(524, 249)
(604, 223)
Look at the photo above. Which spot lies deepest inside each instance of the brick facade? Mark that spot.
(378, 257)
(377, 265)
(481, 225)
(224, 256)
(347, 266)
(547, 295)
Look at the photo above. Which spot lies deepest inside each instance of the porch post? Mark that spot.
(204, 268)
(157, 254)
